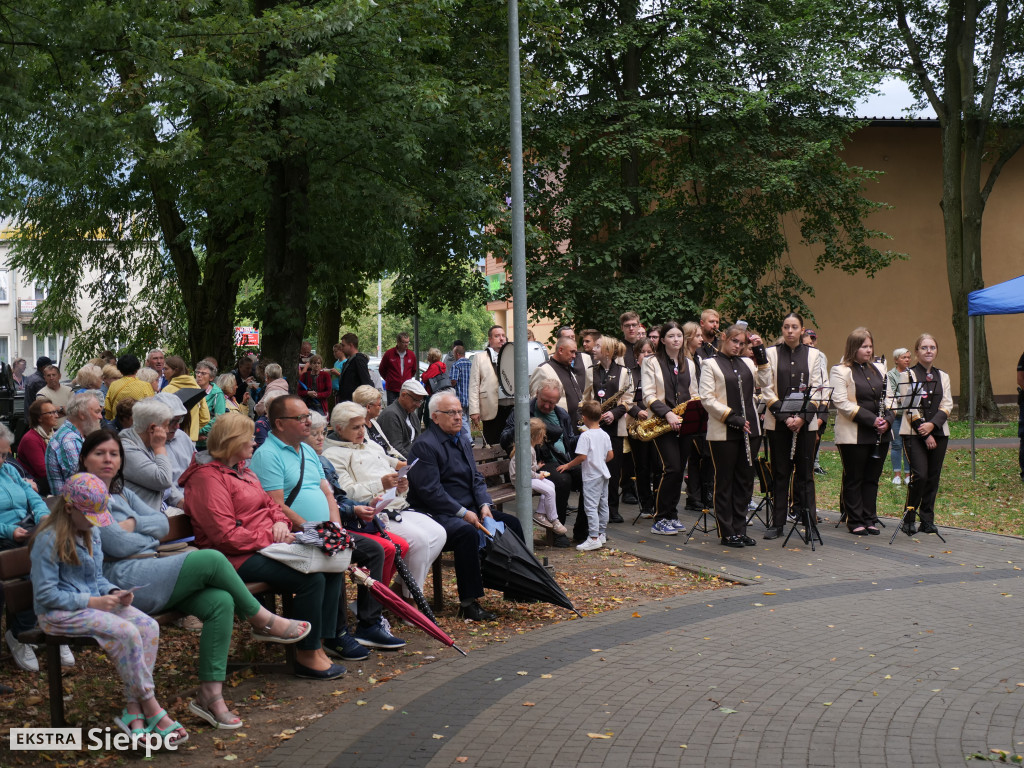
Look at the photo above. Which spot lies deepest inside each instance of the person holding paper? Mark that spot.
(791, 422)
(201, 583)
(361, 471)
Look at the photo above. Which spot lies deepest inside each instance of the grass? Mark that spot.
(993, 502)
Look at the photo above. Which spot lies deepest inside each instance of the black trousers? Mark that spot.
(317, 595)
(464, 541)
(492, 428)
(925, 470)
(673, 450)
(734, 481)
(615, 468)
(859, 491)
(647, 470)
(700, 475)
(793, 478)
(369, 554)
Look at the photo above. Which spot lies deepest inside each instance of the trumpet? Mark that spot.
(648, 429)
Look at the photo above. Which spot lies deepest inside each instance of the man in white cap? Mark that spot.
(400, 421)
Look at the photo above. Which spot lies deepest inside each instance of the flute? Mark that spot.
(792, 448)
(743, 413)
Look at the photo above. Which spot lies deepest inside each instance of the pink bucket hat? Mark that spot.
(88, 494)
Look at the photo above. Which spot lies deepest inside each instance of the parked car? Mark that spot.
(378, 382)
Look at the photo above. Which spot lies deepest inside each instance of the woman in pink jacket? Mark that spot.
(232, 513)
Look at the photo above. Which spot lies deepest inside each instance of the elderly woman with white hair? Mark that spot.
(148, 470)
(88, 377)
(365, 470)
(901, 361)
(371, 399)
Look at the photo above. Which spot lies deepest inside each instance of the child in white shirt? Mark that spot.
(546, 515)
(593, 451)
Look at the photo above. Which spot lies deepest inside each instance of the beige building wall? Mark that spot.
(910, 297)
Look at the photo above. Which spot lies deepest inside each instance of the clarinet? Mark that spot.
(792, 448)
(878, 409)
(743, 413)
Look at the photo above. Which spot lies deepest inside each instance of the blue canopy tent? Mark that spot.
(1002, 299)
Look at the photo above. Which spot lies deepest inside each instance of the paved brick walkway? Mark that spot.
(866, 654)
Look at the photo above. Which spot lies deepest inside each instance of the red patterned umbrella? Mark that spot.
(388, 598)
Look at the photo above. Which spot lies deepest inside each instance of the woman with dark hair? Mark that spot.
(611, 380)
(795, 368)
(42, 422)
(727, 383)
(925, 432)
(201, 583)
(646, 465)
(669, 378)
(862, 430)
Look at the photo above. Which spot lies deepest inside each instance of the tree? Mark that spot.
(310, 144)
(966, 59)
(685, 138)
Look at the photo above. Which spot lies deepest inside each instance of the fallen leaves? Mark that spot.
(599, 735)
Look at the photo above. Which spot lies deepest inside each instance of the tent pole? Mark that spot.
(970, 365)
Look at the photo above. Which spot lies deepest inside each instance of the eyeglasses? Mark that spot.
(300, 418)
(453, 412)
(49, 413)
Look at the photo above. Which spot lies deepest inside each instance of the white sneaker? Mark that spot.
(22, 654)
(603, 538)
(543, 522)
(589, 545)
(897, 480)
(67, 658)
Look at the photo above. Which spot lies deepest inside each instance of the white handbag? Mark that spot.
(306, 558)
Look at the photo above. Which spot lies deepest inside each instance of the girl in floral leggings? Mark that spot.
(73, 598)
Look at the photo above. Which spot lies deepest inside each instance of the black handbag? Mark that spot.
(439, 382)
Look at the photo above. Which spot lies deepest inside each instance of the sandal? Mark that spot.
(222, 722)
(859, 531)
(266, 635)
(125, 719)
(873, 530)
(151, 723)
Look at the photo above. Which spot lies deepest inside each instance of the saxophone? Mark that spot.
(613, 401)
(648, 429)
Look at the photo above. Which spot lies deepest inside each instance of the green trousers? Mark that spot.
(209, 588)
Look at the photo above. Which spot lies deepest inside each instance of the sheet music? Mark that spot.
(405, 470)
(383, 501)
(793, 403)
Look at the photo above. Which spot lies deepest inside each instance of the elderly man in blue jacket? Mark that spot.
(445, 484)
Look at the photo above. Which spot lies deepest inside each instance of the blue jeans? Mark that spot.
(896, 451)
(465, 424)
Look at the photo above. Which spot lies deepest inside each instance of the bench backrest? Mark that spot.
(493, 464)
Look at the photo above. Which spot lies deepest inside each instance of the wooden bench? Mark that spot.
(495, 466)
(15, 567)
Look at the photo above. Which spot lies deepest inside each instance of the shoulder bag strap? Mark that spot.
(298, 485)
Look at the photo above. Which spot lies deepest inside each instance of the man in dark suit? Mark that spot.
(400, 421)
(444, 483)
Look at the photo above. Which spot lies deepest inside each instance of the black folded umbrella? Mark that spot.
(506, 564)
(190, 396)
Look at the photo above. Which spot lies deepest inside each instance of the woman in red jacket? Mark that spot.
(42, 421)
(434, 368)
(232, 513)
(315, 385)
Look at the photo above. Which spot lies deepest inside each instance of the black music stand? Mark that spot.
(765, 480)
(702, 524)
(807, 411)
(909, 396)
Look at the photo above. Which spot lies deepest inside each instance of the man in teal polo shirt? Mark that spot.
(290, 472)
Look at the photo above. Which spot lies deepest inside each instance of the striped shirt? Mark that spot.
(62, 456)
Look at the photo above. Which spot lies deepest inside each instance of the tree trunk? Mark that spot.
(286, 263)
(327, 332)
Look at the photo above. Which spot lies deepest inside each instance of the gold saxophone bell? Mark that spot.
(648, 429)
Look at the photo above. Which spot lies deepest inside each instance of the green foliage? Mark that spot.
(684, 142)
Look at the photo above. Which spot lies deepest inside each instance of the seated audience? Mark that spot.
(444, 483)
(84, 412)
(276, 382)
(232, 513)
(363, 471)
(42, 423)
(201, 583)
(110, 375)
(127, 386)
(179, 378)
(149, 376)
(89, 376)
(21, 509)
(371, 399)
(54, 391)
(229, 386)
(290, 471)
(315, 385)
(148, 472)
(400, 421)
(206, 374)
(180, 449)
